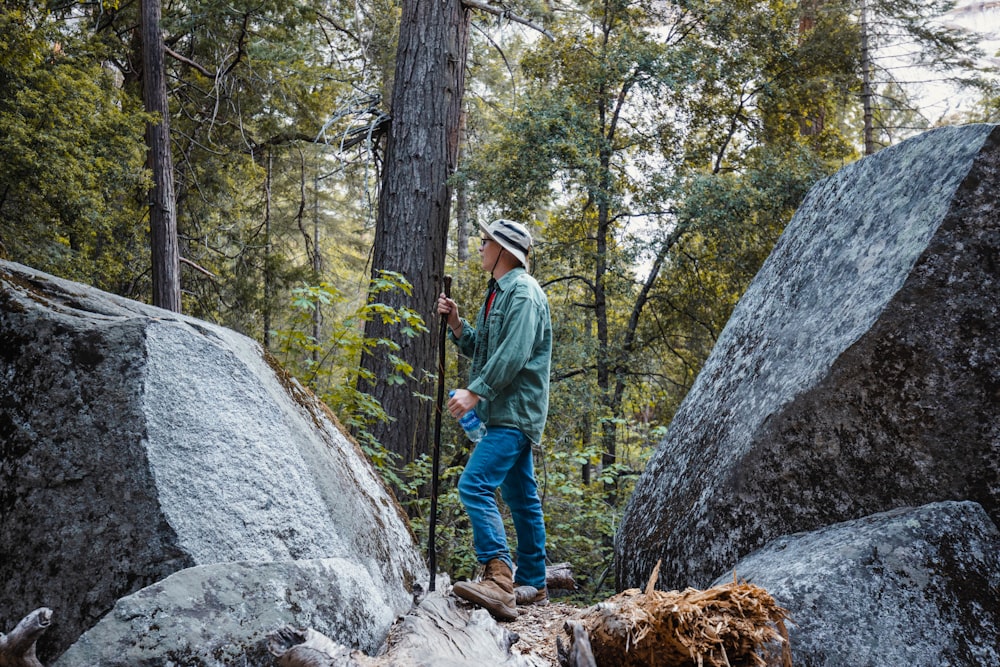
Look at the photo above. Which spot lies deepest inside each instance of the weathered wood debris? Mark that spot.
(435, 632)
(559, 578)
(732, 625)
(17, 649)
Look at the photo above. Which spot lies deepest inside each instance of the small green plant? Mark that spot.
(329, 363)
(453, 534)
(580, 521)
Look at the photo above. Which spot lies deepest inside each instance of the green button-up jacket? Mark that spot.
(511, 353)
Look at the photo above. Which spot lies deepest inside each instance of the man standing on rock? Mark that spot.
(511, 351)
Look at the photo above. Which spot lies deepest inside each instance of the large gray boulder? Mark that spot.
(914, 586)
(220, 615)
(860, 372)
(136, 443)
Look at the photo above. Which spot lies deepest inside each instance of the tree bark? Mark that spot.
(164, 251)
(18, 648)
(414, 203)
(268, 270)
(867, 97)
(461, 205)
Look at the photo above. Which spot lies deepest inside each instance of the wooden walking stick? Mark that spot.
(436, 455)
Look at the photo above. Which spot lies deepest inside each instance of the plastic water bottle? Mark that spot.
(474, 429)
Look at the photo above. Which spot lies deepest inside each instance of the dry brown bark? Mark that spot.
(732, 625)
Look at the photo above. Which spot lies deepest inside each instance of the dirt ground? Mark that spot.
(537, 629)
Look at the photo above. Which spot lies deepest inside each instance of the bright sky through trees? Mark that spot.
(942, 100)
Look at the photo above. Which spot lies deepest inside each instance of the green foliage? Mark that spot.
(328, 364)
(248, 199)
(259, 92)
(663, 149)
(580, 520)
(453, 534)
(903, 45)
(72, 156)
(987, 108)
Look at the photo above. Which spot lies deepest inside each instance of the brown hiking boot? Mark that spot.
(526, 595)
(494, 593)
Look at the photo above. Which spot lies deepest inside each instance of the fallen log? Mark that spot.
(18, 648)
(435, 632)
(559, 577)
(732, 625)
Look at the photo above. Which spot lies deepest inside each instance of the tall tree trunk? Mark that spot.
(606, 359)
(268, 278)
(462, 232)
(317, 268)
(461, 205)
(162, 206)
(605, 363)
(866, 81)
(414, 203)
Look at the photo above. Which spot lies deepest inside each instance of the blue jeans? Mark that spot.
(503, 459)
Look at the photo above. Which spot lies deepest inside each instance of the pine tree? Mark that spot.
(71, 158)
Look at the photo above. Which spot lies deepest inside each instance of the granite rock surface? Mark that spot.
(859, 373)
(912, 586)
(136, 443)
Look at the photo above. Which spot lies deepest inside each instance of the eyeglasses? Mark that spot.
(483, 241)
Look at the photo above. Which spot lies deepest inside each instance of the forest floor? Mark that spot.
(538, 627)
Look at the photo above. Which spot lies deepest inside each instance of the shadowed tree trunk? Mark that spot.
(412, 224)
(162, 209)
(866, 82)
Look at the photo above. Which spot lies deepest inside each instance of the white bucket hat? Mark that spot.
(512, 236)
